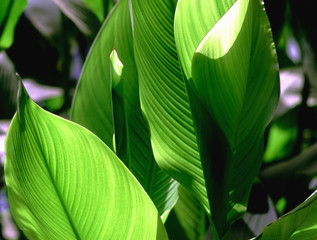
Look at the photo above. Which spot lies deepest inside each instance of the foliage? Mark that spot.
(170, 129)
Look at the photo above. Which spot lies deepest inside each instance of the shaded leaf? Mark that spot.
(190, 214)
(65, 183)
(46, 17)
(261, 210)
(299, 223)
(8, 87)
(10, 11)
(304, 163)
(236, 82)
(99, 7)
(81, 15)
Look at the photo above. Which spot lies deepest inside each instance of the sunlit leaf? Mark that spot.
(65, 183)
(236, 89)
(107, 103)
(163, 96)
(10, 11)
(192, 23)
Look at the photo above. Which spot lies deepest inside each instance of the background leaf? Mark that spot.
(10, 11)
(99, 7)
(8, 87)
(64, 182)
(81, 15)
(46, 17)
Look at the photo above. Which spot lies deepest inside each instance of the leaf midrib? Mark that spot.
(70, 220)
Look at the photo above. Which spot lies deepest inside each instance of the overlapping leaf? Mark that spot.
(192, 23)
(10, 11)
(235, 79)
(163, 95)
(190, 214)
(107, 103)
(65, 183)
(298, 224)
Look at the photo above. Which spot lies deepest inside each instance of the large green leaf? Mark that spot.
(107, 103)
(235, 88)
(95, 81)
(10, 11)
(192, 23)
(163, 96)
(65, 183)
(298, 224)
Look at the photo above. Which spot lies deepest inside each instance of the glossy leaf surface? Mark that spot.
(10, 11)
(107, 102)
(65, 183)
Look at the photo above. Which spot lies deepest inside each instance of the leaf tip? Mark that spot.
(22, 96)
(116, 68)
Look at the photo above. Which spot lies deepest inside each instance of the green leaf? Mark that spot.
(163, 96)
(81, 15)
(107, 103)
(65, 183)
(46, 17)
(192, 23)
(8, 87)
(10, 11)
(282, 136)
(96, 81)
(235, 86)
(99, 7)
(190, 214)
(298, 224)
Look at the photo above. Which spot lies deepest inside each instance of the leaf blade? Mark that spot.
(192, 23)
(65, 183)
(297, 224)
(107, 102)
(163, 96)
(235, 79)
(10, 12)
